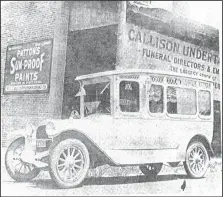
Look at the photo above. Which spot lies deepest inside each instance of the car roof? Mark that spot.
(137, 71)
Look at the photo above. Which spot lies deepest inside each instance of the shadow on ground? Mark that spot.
(49, 184)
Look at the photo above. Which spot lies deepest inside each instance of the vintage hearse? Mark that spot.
(126, 117)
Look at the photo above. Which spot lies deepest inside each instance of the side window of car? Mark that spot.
(129, 96)
(156, 99)
(204, 102)
(181, 101)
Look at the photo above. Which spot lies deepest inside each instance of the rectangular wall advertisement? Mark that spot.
(28, 67)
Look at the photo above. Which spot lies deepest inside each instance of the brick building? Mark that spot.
(82, 37)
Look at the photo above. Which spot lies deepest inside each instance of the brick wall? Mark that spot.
(21, 22)
(92, 14)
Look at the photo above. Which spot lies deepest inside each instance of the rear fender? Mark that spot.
(205, 142)
(183, 147)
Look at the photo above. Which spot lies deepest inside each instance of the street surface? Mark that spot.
(108, 180)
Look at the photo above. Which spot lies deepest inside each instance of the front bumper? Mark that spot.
(29, 156)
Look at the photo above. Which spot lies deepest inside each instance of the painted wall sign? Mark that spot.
(149, 49)
(28, 67)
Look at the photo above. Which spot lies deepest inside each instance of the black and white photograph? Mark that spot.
(111, 98)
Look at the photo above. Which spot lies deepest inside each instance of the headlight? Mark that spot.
(29, 129)
(50, 129)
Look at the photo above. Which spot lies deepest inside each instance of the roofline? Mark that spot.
(133, 71)
(199, 27)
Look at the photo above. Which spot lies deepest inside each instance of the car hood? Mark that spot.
(90, 125)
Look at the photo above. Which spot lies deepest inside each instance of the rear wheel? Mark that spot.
(16, 168)
(151, 170)
(69, 163)
(197, 160)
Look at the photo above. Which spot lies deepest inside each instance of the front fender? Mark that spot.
(15, 135)
(93, 147)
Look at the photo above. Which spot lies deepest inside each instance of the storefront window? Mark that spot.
(129, 96)
(181, 101)
(156, 99)
(204, 102)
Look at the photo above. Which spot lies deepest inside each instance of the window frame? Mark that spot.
(84, 97)
(94, 81)
(192, 116)
(205, 117)
(129, 80)
(132, 78)
(148, 86)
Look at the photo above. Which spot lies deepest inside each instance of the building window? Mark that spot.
(204, 102)
(181, 101)
(129, 96)
(156, 99)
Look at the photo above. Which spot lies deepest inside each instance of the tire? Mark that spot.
(16, 168)
(151, 170)
(75, 165)
(197, 160)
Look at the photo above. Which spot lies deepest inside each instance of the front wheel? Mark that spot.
(151, 170)
(197, 160)
(16, 168)
(69, 163)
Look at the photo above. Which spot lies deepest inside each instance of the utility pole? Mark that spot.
(59, 59)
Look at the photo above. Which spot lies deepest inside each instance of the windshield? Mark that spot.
(97, 99)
